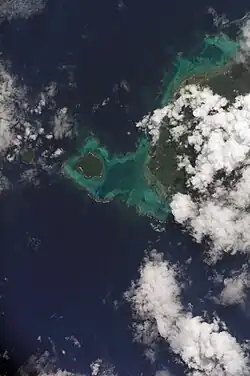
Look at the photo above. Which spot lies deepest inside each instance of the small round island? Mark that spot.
(28, 156)
(90, 166)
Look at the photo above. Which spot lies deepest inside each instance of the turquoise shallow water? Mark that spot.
(68, 259)
(215, 52)
(127, 177)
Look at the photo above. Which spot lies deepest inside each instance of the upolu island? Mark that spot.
(147, 178)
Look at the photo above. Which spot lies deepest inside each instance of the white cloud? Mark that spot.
(62, 124)
(15, 128)
(235, 289)
(212, 139)
(43, 365)
(19, 133)
(226, 226)
(95, 367)
(219, 136)
(10, 114)
(59, 372)
(101, 368)
(30, 176)
(163, 372)
(244, 52)
(75, 342)
(205, 348)
(183, 207)
(151, 124)
(11, 9)
(4, 183)
(155, 298)
(220, 20)
(150, 354)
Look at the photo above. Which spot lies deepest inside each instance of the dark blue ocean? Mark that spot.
(66, 260)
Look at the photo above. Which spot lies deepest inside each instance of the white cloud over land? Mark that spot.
(217, 199)
(211, 137)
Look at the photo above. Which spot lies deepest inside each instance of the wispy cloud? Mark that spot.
(62, 124)
(43, 365)
(11, 9)
(244, 52)
(235, 288)
(11, 111)
(163, 372)
(101, 368)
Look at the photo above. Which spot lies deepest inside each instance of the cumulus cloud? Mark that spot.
(15, 126)
(14, 109)
(155, 295)
(218, 133)
(12, 9)
(151, 123)
(235, 289)
(212, 140)
(21, 124)
(226, 226)
(205, 348)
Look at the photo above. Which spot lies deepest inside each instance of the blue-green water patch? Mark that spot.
(136, 178)
(125, 177)
(214, 53)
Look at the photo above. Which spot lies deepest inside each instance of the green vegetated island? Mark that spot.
(210, 63)
(145, 178)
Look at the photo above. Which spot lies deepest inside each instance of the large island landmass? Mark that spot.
(211, 64)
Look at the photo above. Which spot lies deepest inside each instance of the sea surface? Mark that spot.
(66, 260)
